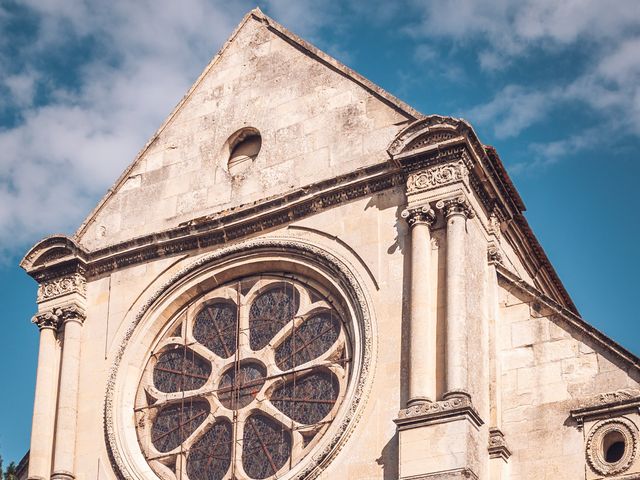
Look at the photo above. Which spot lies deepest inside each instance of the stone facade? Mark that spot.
(466, 356)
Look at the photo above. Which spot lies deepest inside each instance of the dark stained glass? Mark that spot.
(180, 369)
(270, 312)
(175, 423)
(309, 340)
(308, 399)
(210, 456)
(266, 446)
(216, 328)
(240, 384)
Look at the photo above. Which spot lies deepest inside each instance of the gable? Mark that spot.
(317, 120)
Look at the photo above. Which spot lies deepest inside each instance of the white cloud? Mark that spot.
(62, 156)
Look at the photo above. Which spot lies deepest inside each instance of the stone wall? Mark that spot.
(548, 369)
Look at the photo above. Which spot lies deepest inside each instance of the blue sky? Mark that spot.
(554, 86)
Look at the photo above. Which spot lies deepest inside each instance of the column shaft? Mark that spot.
(422, 343)
(42, 427)
(65, 438)
(456, 213)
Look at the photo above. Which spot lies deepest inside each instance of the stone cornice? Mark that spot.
(607, 405)
(60, 256)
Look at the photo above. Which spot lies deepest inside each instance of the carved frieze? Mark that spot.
(58, 287)
(417, 215)
(437, 176)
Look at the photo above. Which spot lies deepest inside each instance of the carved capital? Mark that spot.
(498, 445)
(70, 313)
(414, 216)
(436, 176)
(45, 320)
(455, 206)
(58, 287)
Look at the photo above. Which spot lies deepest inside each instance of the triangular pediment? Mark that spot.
(317, 120)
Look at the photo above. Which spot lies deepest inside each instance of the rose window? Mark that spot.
(244, 382)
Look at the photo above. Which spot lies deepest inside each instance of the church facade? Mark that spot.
(302, 277)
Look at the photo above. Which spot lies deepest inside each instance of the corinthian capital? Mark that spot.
(46, 319)
(56, 316)
(70, 313)
(417, 215)
(455, 206)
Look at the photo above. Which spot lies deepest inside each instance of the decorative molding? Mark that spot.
(595, 442)
(341, 271)
(455, 406)
(419, 215)
(498, 445)
(437, 176)
(74, 283)
(455, 206)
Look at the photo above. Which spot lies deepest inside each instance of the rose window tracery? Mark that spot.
(244, 382)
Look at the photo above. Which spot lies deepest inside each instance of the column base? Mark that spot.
(418, 401)
(440, 440)
(62, 475)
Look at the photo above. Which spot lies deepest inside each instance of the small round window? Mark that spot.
(244, 146)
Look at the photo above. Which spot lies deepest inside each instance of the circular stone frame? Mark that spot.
(595, 443)
(215, 269)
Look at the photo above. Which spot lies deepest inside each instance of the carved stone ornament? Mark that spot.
(417, 215)
(498, 445)
(55, 317)
(74, 283)
(437, 176)
(46, 320)
(595, 446)
(456, 206)
(493, 254)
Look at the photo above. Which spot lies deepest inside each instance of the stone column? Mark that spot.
(44, 404)
(65, 437)
(422, 345)
(456, 212)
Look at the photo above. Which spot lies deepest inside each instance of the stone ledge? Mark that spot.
(450, 409)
